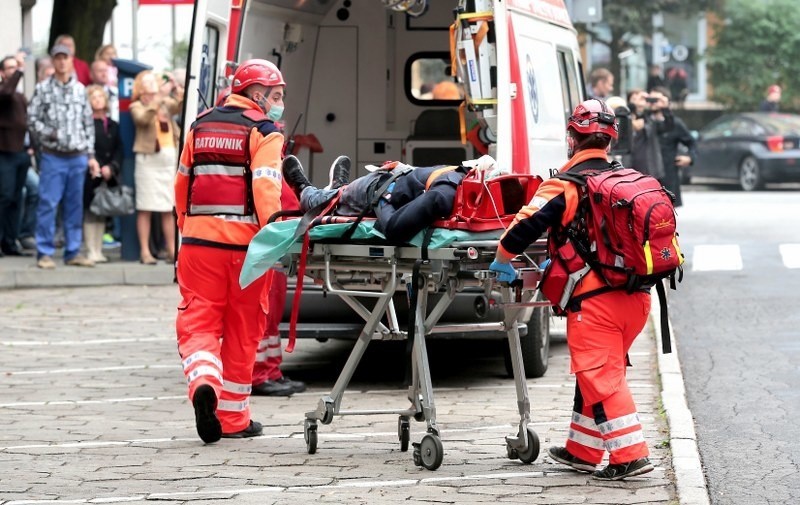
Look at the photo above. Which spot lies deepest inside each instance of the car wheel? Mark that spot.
(535, 345)
(750, 174)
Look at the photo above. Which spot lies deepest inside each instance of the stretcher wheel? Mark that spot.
(532, 452)
(328, 417)
(512, 453)
(403, 433)
(429, 453)
(310, 436)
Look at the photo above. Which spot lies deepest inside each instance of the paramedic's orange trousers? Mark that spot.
(214, 305)
(269, 355)
(599, 337)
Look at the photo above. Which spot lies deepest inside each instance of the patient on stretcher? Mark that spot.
(404, 199)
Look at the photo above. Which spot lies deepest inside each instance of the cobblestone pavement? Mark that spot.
(94, 410)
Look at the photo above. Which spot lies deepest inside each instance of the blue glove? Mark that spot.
(505, 272)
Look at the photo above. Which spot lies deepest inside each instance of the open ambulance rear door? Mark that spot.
(213, 40)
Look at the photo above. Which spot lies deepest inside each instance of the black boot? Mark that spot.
(340, 172)
(294, 176)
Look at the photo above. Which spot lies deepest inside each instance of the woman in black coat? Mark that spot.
(108, 152)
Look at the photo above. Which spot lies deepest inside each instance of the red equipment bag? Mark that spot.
(632, 237)
(489, 204)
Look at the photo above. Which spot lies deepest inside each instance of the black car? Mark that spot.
(752, 148)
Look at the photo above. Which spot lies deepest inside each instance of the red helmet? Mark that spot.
(594, 116)
(256, 72)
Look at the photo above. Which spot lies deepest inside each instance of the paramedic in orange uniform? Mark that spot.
(601, 327)
(228, 185)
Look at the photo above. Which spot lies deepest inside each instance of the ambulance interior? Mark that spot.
(371, 83)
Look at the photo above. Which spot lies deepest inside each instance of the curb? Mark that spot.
(101, 275)
(689, 479)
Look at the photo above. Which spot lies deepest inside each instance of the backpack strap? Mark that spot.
(666, 344)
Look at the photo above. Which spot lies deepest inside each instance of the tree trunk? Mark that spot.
(85, 20)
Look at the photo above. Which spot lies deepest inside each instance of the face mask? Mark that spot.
(275, 112)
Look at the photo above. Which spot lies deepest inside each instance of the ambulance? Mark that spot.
(426, 82)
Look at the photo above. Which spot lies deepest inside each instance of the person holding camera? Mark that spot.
(678, 150)
(650, 117)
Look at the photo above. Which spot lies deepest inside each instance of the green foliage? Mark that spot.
(757, 44)
(180, 54)
(635, 17)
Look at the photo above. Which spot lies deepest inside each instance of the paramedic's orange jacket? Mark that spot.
(554, 204)
(234, 232)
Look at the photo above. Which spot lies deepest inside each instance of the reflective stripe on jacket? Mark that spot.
(220, 157)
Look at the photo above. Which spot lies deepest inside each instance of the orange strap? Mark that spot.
(453, 51)
(462, 121)
(483, 29)
(436, 173)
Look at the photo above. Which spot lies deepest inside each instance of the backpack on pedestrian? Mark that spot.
(625, 229)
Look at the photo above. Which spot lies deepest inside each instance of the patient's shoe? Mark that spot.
(340, 172)
(294, 176)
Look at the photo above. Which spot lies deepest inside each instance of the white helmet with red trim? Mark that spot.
(594, 116)
(256, 72)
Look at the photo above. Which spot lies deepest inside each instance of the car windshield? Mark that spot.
(785, 124)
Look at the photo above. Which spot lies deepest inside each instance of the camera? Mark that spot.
(651, 99)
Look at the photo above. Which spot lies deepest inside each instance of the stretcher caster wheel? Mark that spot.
(328, 417)
(403, 433)
(512, 453)
(310, 436)
(532, 452)
(429, 452)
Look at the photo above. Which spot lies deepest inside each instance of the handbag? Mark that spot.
(112, 201)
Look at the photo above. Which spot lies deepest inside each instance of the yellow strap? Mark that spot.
(437, 173)
(677, 249)
(648, 257)
(484, 101)
(477, 16)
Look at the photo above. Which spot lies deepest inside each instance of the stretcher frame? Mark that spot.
(377, 271)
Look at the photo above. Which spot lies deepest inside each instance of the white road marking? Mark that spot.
(707, 258)
(94, 444)
(345, 484)
(100, 341)
(790, 254)
(50, 403)
(98, 369)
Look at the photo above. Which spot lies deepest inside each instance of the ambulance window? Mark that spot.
(569, 81)
(208, 68)
(428, 80)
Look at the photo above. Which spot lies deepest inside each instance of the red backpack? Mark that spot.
(625, 230)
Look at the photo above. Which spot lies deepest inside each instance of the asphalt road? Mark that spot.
(736, 318)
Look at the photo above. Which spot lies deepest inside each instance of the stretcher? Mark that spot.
(365, 267)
